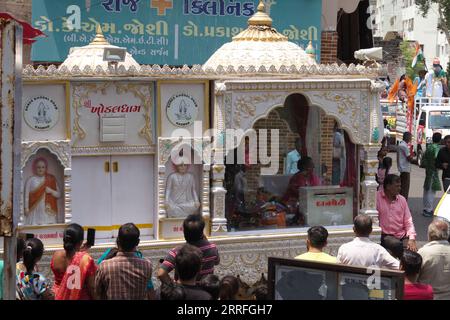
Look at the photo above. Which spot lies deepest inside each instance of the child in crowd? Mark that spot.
(211, 284)
(383, 170)
(229, 288)
(32, 285)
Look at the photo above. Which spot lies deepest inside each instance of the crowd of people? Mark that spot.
(123, 273)
(426, 273)
(187, 271)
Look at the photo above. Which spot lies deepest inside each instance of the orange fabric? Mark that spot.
(392, 96)
(73, 284)
(411, 90)
(50, 201)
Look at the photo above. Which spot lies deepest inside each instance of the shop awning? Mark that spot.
(29, 33)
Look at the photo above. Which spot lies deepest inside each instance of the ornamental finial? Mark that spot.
(260, 18)
(99, 37)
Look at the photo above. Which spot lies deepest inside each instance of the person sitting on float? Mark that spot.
(421, 84)
(402, 89)
(304, 178)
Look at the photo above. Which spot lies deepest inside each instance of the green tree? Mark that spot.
(443, 8)
(408, 53)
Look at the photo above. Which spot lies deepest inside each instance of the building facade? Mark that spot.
(404, 17)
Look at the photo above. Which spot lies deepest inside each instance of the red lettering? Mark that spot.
(101, 108)
(331, 203)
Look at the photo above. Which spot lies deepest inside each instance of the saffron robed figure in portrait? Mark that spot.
(43, 195)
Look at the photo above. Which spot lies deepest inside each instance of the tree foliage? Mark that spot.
(408, 53)
(443, 7)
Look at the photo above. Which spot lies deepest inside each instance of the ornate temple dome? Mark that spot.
(92, 55)
(259, 45)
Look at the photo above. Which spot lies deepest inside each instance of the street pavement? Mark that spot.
(415, 199)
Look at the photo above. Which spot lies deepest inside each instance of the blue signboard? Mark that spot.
(173, 32)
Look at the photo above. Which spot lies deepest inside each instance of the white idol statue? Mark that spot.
(181, 194)
(41, 195)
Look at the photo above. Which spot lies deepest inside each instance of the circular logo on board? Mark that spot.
(182, 110)
(41, 113)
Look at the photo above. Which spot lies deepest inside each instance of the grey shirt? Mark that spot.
(403, 152)
(436, 268)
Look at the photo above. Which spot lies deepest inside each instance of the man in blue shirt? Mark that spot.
(293, 157)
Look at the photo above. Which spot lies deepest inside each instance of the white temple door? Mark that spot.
(91, 194)
(132, 185)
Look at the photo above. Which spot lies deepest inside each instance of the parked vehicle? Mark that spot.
(433, 116)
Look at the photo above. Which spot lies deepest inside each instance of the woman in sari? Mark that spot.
(73, 268)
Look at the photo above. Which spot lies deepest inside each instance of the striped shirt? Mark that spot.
(209, 260)
(123, 277)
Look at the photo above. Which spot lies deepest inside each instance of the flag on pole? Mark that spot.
(418, 56)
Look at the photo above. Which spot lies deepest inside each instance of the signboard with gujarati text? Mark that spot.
(173, 32)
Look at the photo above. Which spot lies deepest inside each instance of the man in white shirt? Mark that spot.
(362, 251)
(293, 157)
(404, 158)
(435, 254)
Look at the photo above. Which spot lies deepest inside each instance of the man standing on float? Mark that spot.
(436, 80)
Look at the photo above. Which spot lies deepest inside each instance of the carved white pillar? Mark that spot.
(218, 192)
(205, 191)
(219, 222)
(369, 184)
(161, 192)
(67, 195)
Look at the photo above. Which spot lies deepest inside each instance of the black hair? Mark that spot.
(34, 249)
(385, 122)
(387, 164)
(193, 227)
(402, 77)
(406, 135)
(261, 292)
(188, 262)
(73, 236)
(211, 284)
(411, 262)
(437, 137)
(172, 291)
(229, 288)
(363, 225)
(20, 248)
(128, 237)
(317, 236)
(390, 179)
(447, 137)
(303, 162)
(394, 246)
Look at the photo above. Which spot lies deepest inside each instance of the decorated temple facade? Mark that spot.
(110, 143)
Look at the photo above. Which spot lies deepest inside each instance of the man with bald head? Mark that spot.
(436, 260)
(362, 251)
